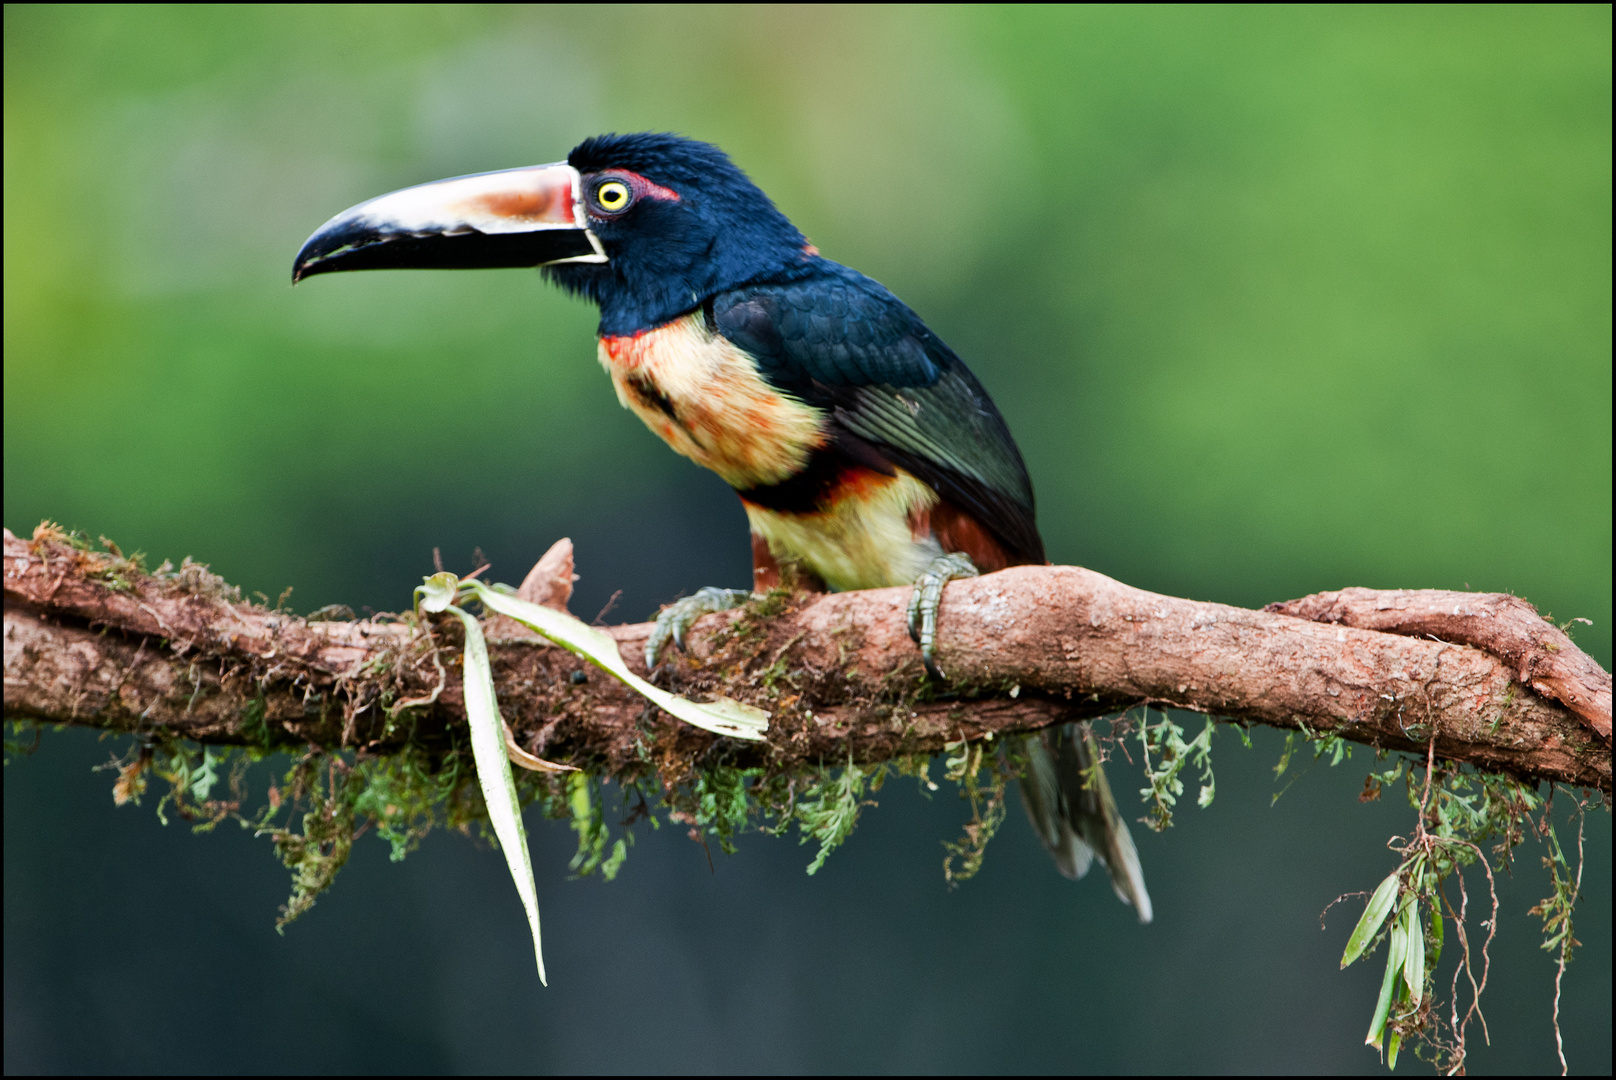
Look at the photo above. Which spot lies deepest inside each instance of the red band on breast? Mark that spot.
(626, 350)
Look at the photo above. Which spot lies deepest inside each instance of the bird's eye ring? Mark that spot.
(613, 196)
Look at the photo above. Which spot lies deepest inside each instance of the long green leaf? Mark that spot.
(1414, 962)
(1383, 1005)
(494, 773)
(722, 717)
(1374, 914)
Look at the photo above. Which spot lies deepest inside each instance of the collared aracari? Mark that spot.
(864, 451)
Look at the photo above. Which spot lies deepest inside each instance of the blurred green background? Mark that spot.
(1274, 300)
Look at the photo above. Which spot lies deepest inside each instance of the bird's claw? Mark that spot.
(926, 598)
(673, 621)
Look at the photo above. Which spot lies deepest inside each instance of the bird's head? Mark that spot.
(648, 226)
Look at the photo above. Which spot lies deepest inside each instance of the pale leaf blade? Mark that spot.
(722, 717)
(494, 774)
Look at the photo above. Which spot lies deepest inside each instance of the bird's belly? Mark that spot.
(704, 397)
(861, 536)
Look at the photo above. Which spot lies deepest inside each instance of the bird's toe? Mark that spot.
(674, 621)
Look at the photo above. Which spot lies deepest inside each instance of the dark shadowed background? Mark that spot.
(1275, 301)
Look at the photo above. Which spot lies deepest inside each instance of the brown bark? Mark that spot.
(90, 641)
(1540, 653)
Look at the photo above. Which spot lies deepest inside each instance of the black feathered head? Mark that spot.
(679, 222)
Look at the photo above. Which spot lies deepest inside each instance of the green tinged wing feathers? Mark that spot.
(842, 342)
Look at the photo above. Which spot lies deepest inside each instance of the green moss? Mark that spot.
(192, 773)
(315, 854)
(16, 747)
(589, 822)
(402, 794)
(752, 624)
(830, 809)
(986, 796)
(119, 572)
(1164, 741)
(255, 725)
(721, 803)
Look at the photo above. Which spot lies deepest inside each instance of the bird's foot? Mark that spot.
(927, 596)
(674, 620)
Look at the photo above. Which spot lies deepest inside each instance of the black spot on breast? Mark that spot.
(650, 394)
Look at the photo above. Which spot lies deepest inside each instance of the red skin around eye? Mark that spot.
(647, 188)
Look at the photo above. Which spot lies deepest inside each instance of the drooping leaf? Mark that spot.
(721, 716)
(492, 744)
(1436, 938)
(494, 773)
(1380, 903)
(1414, 961)
(1394, 966)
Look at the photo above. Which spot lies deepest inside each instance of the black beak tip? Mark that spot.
(313, 256)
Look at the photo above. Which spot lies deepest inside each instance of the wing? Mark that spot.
(841, 342)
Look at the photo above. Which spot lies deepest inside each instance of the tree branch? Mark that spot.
(1540, 653)
(91, 639)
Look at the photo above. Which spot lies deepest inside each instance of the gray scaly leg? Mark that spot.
(927, 596)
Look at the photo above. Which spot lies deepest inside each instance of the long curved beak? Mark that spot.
(533, 216)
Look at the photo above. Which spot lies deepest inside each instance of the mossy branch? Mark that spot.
(93, 639)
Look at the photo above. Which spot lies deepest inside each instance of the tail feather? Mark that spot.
(1041, 795)
(1073, 812)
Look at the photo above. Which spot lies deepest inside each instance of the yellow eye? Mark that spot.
(613, 195)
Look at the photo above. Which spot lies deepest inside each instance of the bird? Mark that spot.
(864, 451)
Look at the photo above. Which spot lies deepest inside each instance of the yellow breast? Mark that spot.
(863, 538)
(705, 398)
